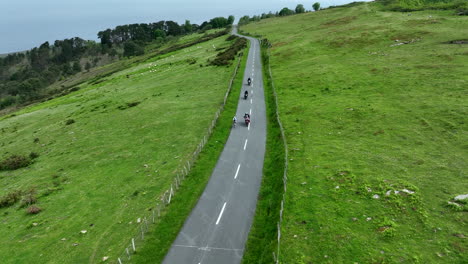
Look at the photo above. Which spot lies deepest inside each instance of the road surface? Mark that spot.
(217, 229)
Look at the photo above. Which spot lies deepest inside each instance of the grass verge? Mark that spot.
(159, 239)
(262, 237)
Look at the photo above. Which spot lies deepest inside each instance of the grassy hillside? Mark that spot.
(105, 154)
(374, 107)
(417, 5)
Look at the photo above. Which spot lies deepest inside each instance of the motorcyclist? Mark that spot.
(247, 119)
(249, 81)
(234, 120)
(246, 93)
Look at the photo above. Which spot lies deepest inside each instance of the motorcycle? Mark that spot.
(247, 121)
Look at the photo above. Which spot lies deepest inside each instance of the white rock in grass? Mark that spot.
(375, 196)
(63, 239)
(369, 189)
(139, 220)
(388, 193)
(455, 204)
(368, 219)
(83, 231)
(337, 187)
(105, 258)
(461, 197)
(407, 191)
(396, 192)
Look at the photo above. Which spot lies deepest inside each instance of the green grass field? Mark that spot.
(102, 171)
(376, 131)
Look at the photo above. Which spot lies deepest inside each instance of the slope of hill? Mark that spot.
(102, 155)
(374, 109)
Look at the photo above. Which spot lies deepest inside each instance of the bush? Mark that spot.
(128, 105)
(225, 57)
(132, 49)
(33, 155)
(69, 122)
(15, 162)
(10, 199)
(231, 37)
(33, 209)
(29, 198)
(191, 61)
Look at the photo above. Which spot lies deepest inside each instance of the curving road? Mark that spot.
(217, 228)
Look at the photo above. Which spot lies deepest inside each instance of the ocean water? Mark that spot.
(25, 24)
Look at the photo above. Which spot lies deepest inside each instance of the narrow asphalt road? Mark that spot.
(217, 228)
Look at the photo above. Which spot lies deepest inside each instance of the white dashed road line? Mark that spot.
(220, 214)
(245, 144)
(237, 171)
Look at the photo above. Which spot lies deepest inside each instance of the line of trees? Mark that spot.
(283, 12)
(144, 33)
(24, 75)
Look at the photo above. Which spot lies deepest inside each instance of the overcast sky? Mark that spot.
(25, 24)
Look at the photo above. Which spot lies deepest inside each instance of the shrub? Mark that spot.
(29, 198)
(132, 104)
(231, 37)
(15, 162)
(69, 122)
(10, 199)
(224, 58)
(33, 155)
(191, 61)
(128, 105)
(33, 209)
(74, 89)
(133, 49)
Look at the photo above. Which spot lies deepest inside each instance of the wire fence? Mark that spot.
(265, 43)
(164, 200)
